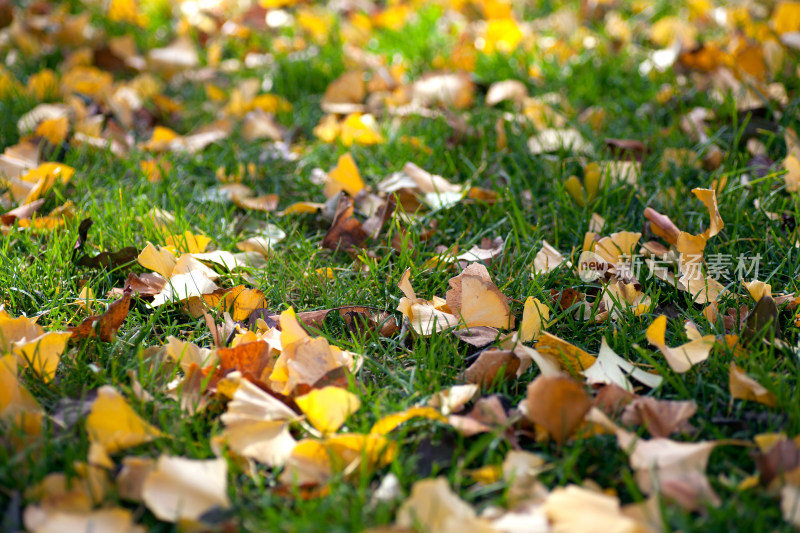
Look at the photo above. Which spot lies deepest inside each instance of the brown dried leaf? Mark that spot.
(105, 326)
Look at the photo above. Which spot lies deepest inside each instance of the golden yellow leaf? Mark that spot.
(114, 424)
(344, 176)
(43, 85)
(160, 260)
(570, 357)
(360, 129)
(13, 396)
(328, 408)
(535, 315)
(390, 422)
(187, 243)
(43, 353)
(683, 357)
(501, 35)
(786, 17)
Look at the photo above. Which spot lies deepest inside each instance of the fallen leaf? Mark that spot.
(115, 425)
(492, 367)
(683, 357)
(181, 489)
(434, 507)
(105, 326)
(346, 231)
(661, 417)
(557, 403)
(477, 301)
(744, 387)
(535, 315)
(328, 408)
(611, 368)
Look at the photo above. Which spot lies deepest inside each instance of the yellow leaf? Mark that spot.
(13, 396)
(344, 176)
(360, 129)
(390, 422)
(744, 387)
(570, 357)
(43, 353)
(680, 358)
(54, 129)
(534, 315)
(159, 260)
(188, 243)
(43, 85)
(501, 35)
(328, 408)
(786, 17)
(114, 424)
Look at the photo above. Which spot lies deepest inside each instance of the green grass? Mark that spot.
(37, 278)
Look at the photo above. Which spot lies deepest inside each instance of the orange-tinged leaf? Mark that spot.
(114, 424)
(105, 326)
(54, 130)
(744, 387)
(557, 403)
(328, 408)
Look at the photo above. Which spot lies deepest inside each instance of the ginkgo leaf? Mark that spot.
(744, 387)
(328, 408)
(188, 242)
(683, 357)
(14, 397)
(43, 353)
(433, 506)
(569, 357)
(558, 404)
(477, 301)
(114, 424)
(576, 509)
(547, 259)
(46, 520)
(660, 417)
(344, 176)
(181, 489)
(535, 315)
(390, 422)
(611, 368)
(674, 469)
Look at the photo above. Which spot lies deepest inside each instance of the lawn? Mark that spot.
(399, 266)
